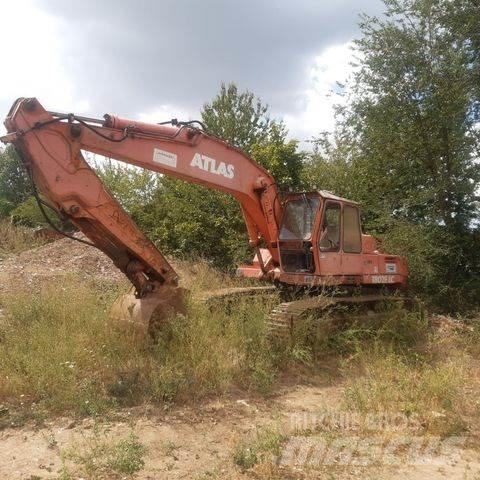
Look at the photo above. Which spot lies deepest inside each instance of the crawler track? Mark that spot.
(284, 316)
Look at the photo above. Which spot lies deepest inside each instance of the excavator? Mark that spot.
(303, 242)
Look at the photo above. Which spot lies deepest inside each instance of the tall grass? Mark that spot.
(15, 239)
(60, 351)
(432, 394)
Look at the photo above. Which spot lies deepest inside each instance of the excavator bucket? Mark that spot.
(147, 315)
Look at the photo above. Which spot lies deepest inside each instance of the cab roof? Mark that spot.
(325, 194)
(331, 196)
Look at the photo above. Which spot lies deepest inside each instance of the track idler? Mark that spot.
(148, 314)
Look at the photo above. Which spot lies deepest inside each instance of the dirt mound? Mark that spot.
(67, 256)
(64, 256)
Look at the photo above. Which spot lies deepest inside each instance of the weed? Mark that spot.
(51, 441)
(127, 456)
(100, 457)
(262, 446)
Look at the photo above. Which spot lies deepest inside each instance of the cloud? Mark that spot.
(329, 72)
(147, 57)
(31, 60)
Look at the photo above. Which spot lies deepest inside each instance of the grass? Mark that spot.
(59, 351)
(397, 364)
(99, 457)
(432, 394)
(15, 239)
(261, 447)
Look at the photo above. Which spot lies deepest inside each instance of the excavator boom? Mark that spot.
(50, 145)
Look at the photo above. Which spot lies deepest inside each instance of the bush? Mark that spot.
(443, 267)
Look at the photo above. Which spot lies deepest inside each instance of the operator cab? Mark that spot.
(315, 224)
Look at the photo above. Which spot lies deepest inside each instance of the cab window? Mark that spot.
(330, 231)
(299, 218)
(352, 234)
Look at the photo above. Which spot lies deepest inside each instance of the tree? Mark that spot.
(133, 187)
(281, 158)
(190, 220)
(239, 118)
(407, 144)
(413, 114)
(15, 186)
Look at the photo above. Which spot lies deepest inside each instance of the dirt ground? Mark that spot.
(199, 441)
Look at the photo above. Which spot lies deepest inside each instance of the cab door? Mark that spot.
(352, 241)
(329, 240)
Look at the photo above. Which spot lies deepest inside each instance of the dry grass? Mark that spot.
(59, 351)
(432, 378)
(200, 276)
(432, 394)
(99, 457)
(15, 239)
(262, 447)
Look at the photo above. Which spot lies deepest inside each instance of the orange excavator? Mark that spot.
(304, 242)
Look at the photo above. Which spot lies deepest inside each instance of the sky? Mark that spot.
(156, 60)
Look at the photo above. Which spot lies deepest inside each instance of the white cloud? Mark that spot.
(164, 113)
(32, 61)
(316, 105)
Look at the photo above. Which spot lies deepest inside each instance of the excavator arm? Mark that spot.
(50, 145)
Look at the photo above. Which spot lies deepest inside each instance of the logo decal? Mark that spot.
(211, 165)
(391, 267)
(165, 158)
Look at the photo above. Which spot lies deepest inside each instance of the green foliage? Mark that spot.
(127, 456)
(281, 158)
(239, 118)
(28, 214)
(443, 265)
(133, 187)
(193, 222)
(14, 183)
(16, 200)
(413, 113)
(406, 143)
